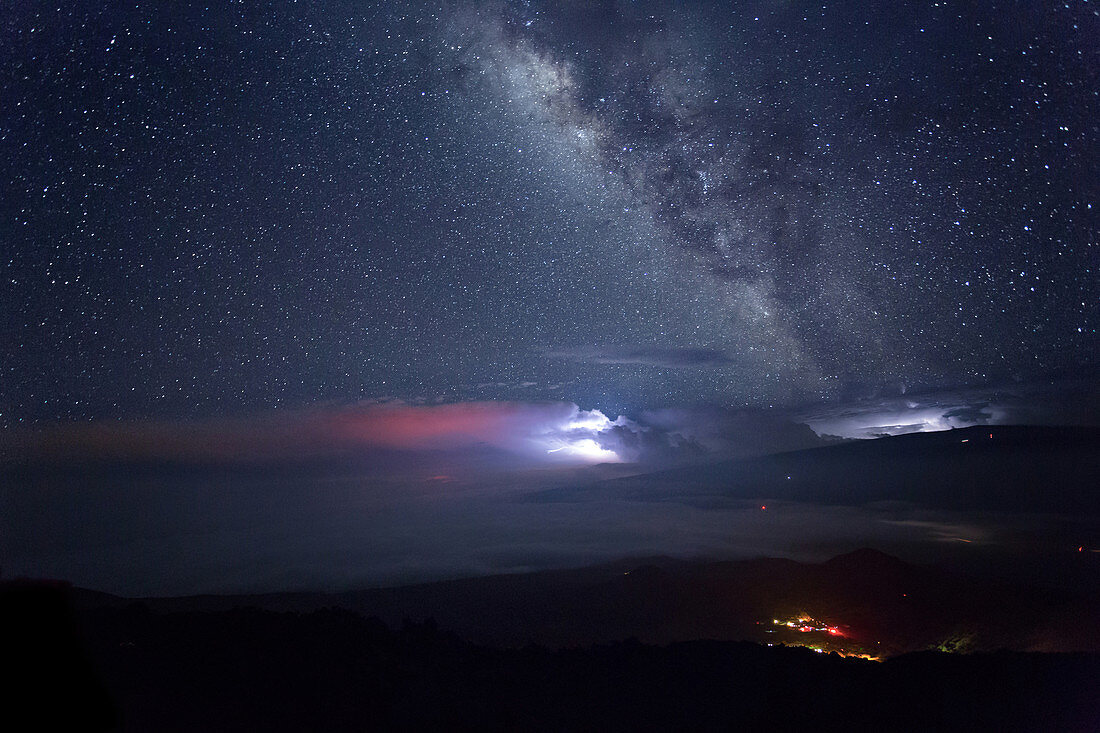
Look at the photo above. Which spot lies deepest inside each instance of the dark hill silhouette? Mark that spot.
(865, 559)
(886, 606)
(48, 674)
(334, 670)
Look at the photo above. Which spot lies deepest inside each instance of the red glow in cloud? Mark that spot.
(557, 431)
(448, 426)
(523, 428)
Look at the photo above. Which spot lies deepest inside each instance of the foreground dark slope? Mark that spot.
(134, 669)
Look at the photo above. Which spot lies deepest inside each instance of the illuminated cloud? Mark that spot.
(580, 437)
(536, 432)
(898, 417)
(1057, 402)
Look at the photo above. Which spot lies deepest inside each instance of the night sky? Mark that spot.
(247, 207)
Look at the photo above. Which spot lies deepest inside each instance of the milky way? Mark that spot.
(625, 206)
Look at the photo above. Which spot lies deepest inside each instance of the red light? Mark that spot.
(763, 508)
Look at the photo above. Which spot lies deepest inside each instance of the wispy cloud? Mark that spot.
(665, 357)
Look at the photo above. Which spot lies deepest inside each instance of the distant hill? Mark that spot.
(1003, 468)
(882, 606)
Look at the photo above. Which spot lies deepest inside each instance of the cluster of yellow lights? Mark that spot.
(808, 625)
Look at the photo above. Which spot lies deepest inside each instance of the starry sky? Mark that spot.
(225, 209)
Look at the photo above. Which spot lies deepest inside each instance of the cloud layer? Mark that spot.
(665, 357)
(1056, 402)
(363, 495)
